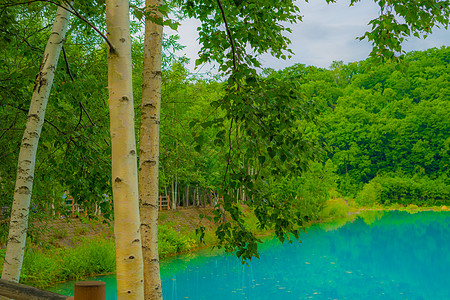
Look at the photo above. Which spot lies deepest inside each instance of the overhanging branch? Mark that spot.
(73, 11)
(233, 48)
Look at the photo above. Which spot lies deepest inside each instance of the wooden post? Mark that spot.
(90, 290)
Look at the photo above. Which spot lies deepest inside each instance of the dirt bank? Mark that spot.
(69, 231)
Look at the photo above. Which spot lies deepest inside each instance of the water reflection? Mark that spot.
(377, 255)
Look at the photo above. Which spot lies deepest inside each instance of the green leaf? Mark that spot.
(261, 159)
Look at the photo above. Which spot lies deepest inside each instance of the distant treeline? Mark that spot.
(386, 125)
(384, 131)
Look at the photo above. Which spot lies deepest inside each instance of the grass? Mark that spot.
(42, 267)
(94, 256)
(81, 231)
(60, 233)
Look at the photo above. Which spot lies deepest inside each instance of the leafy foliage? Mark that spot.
(401, 19)
(256, 135)
(171, 242)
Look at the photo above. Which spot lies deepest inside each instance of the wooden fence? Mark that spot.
(84, 290)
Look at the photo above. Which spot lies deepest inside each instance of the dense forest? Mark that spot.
(385, 128)
(380, 133)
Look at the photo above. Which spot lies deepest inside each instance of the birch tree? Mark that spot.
(261, 114)
(124, 164)
(27, 155)
(149, 151)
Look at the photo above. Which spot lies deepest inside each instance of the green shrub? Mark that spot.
(2, 257)
(335, 208)
(305, 195)
(172, 242)
(402, 190)
(418, 190)
(412, 207)
(370, 194)
(395, 206)
(41, 269)
(4, 231)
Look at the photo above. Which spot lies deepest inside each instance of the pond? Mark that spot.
(376, 255)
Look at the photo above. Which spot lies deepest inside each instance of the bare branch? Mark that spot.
(67, 64)
(228, 33)
(85, 111)
(10, 126)
(79, 119)
(45, 120)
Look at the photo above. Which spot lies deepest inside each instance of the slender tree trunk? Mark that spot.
(124, 171)
(193, 196)
(149, 152)
(27, 156)
(187, 196)
(177, 194)
(174, 198)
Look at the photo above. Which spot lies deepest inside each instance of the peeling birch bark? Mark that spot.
(27, 156)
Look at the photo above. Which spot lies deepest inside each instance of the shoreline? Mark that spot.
(184, 231)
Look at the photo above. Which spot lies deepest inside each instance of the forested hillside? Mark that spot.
(390, 125)
(384, 130)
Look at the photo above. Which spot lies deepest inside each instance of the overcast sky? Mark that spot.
(328, 33)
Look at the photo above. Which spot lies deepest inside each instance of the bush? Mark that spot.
(369, 195)
(172, 242)
(402, 190)
(418, 190)
(306, 194)
(41, 269)
(335, 208)
(2, 257)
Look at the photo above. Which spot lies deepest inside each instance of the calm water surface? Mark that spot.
(390, 255)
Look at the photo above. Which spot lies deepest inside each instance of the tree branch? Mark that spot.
(23, 39)
(74, 12)
(10, 126)
(229, 155)
(85, 111)
(228, 33)
(45, 120)
(67, 64)
(79, 119)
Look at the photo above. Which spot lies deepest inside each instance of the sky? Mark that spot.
(328, 33)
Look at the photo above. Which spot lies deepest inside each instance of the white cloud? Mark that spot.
(328, 33)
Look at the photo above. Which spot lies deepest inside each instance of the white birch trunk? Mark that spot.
(124, 165)
(149, 153)
(27, 155)
(174, 198)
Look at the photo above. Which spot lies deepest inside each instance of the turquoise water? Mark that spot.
(391, 255)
